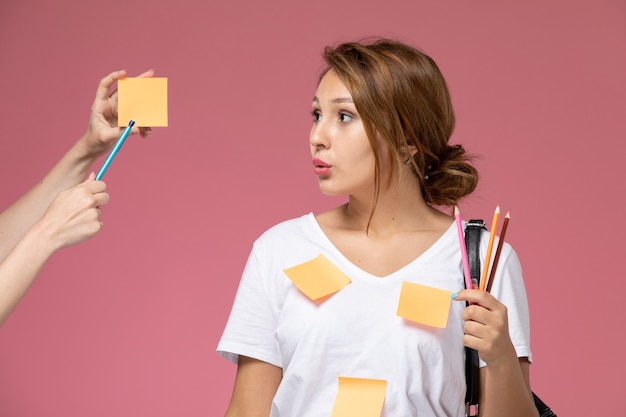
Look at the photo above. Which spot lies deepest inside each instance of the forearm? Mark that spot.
(70, 170)
(255, 386)
(505, 390)
(20, 268)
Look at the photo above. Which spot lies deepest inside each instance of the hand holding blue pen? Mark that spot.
(115, 149)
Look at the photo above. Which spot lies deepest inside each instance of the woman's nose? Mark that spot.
(318, 138)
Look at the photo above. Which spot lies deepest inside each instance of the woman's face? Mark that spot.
(342, 156)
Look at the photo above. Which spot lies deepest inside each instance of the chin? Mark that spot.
(329, 191)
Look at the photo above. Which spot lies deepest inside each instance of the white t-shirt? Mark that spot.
(356, 332)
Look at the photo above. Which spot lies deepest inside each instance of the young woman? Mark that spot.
(382, 118)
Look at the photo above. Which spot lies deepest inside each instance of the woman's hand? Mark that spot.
(103, 130)
(74, 215)
(486, 326)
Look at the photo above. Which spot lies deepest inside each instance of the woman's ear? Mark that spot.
(409, 151)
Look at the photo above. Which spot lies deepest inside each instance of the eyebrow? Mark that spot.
(337, 100)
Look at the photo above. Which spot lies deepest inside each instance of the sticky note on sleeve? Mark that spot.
(424, 305)
(143, 100)
(359, 397)
(318, 277)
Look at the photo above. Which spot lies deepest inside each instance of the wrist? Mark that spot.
(40, 239)
(82, 156)
(85, 150)
(505, 363)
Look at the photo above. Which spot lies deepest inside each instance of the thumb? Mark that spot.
(90, 177)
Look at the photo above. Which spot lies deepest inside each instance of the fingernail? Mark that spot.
(453, 295)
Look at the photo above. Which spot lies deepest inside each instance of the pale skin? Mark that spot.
(62, 209)
(402, 228)
(73, 216)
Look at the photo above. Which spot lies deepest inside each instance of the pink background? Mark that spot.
(127, 324)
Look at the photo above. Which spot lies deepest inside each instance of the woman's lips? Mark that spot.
(321, 167)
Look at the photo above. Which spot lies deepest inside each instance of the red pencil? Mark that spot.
(498, 250)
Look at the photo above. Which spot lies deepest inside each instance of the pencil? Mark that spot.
(492, 236)
(466, 268)
(496, 258)
(115, 149)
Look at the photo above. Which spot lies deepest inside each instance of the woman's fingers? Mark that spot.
(147, 74)
(103, 91)
(121, 76)
(485, 325)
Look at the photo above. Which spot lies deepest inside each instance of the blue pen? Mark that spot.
(115, 149)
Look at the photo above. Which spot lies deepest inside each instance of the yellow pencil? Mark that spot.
(492, 236)
(496, 258)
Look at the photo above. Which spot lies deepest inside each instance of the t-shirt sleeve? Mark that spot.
(251, 326)
(508, 287)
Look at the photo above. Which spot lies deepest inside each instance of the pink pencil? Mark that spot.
(466, 268)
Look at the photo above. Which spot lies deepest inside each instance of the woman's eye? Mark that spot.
(344, 117)
(316, 115)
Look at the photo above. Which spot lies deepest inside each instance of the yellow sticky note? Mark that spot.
(318, 277)
(359, 397)
(424, 305)
(143, 100)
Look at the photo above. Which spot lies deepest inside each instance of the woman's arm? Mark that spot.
(255, 386)
(506, 388)
(504, 382)
(71, 218)
(71, 169)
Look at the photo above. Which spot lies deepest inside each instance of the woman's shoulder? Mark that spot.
(291, 241)
(287, 229)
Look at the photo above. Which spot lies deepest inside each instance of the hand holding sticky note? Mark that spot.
(141, 102)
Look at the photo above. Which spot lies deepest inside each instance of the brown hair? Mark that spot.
(403, 99)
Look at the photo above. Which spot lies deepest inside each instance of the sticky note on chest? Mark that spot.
(424, 305)
(143, 100)
(359, 397)
(318, 277)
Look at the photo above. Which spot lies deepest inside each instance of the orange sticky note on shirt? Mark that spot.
(143, 100)
(359, 397)
(424, 305)
(318, 277)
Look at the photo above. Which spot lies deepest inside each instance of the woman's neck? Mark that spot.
(398, 209)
